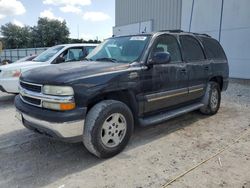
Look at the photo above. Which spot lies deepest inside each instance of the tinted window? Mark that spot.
(167, 43)
(192, 50)
(213, 49)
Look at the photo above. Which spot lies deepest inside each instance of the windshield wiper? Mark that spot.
(86, 59)
(107, 59)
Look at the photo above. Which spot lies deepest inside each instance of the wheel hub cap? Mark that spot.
(214, 99)
(113, 130)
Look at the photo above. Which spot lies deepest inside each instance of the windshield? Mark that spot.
(48, 54)
(120, 49)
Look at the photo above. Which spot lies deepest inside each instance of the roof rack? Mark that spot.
(181, 31)
(204, 34)
(172, 30)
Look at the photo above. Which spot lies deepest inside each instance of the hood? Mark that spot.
(21, 65)
(69, 72)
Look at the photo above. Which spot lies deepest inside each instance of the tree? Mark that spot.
(46, 33)
(15, 36)
(49, 33)
(72, 40)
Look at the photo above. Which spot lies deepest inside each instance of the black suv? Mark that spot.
(128, 80)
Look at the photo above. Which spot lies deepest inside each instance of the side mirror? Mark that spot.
(160, 58)
(59, 60)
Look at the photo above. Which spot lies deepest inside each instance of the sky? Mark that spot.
(92, 18)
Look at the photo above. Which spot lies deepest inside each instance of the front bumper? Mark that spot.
(9, 85)
(65, 126)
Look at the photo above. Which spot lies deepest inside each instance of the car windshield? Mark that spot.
(121, 49)
(48, 54)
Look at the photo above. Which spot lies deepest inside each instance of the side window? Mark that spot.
(89, 49)
(191, 48)
(74, 54)
(168, 43)
(213, 49)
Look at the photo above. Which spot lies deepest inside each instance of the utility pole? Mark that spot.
(191, 16)
(221, 18)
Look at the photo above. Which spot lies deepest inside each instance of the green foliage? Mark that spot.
(15, 36)
(45, 34)
(83, 41)
(49, 32)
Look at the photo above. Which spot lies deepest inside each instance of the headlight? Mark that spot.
(58, 90)
(11, 73)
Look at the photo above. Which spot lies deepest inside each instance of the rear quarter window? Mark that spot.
(213, 49)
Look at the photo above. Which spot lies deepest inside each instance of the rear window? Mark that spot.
(191, 48)
(213, 49)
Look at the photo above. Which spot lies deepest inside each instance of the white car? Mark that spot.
(9, 74)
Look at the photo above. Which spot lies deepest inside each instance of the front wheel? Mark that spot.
(108, 128)
(211, 99)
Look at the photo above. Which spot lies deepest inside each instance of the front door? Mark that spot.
(165, 85)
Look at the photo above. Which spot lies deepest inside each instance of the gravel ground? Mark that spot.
(155, 156)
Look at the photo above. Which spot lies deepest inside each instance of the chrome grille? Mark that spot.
(32, 101)
(31, 86)
(26, 87)
(31, 94)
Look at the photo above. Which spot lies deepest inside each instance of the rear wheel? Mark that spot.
(108, 128)
(211, 99)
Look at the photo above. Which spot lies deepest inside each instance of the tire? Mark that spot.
(102, 136)
(211, 99)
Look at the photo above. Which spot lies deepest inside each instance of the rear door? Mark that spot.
(165, 85)
(198, 66)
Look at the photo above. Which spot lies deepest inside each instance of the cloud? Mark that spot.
(67, 2)
(71, 8)
(18, 23)
(66, 6)
(95, 16)
(10, 8)
(50, 15)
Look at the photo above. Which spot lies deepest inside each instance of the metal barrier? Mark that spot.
(16, 54)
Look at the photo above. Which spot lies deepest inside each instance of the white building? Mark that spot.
(226, 20)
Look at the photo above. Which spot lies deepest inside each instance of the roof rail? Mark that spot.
(204, 34)
(181, 31)
(172, 30)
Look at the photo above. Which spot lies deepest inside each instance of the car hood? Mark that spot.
(70, 72)
(21, 65)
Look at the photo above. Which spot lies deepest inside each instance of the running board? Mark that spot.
(160, 118)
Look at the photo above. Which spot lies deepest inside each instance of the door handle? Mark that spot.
(206, 68)
(183, 70)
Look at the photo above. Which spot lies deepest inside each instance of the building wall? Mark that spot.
(235, 33)
(165, 14)
(176, 14)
